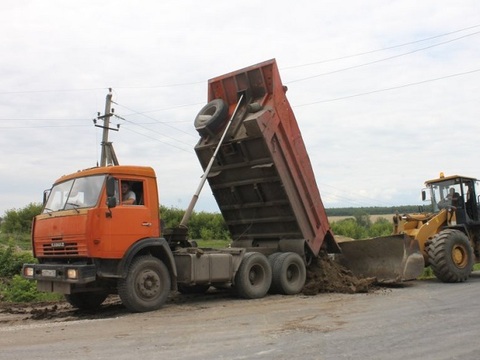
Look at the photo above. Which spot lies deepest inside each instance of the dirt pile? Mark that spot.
(324, 275)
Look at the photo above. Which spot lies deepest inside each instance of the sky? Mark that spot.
(386, 93)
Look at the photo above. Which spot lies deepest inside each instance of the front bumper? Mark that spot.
(75, 274)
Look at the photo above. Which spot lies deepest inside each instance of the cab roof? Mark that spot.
(451, 177)
(115, 170)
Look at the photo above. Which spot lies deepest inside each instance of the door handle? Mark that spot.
(146, 224)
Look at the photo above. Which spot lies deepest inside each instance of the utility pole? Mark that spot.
(107, 156)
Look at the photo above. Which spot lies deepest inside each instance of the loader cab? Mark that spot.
(457, 193)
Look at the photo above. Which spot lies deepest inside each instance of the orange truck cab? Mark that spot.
(85, 236)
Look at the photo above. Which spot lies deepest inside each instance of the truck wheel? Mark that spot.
(86, 300)
(450, 256)
(289, 273)
(272, 259)
(146, 286)
(254, 276)
(211, 117)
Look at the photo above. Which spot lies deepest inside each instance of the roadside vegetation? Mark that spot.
(207, 229)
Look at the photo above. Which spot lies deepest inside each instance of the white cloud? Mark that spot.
(59, 58)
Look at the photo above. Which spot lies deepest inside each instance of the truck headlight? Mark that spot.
(72, 274)
(28, 271)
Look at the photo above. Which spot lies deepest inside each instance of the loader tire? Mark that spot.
(253, 277)
(146, 286)
(450, 256)
(86, 300)
(289, 274)
(211, 117)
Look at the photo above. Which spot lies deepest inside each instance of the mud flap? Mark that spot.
(390, 259)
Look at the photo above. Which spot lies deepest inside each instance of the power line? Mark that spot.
(388, 89)
(381, 60)
(39, 126)
(156, 139)
(378, 50)
(149, 117)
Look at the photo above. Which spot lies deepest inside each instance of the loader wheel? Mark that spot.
(86, 300)
(211, 117)
(289, 274)
(450, 256)
(146, 286)
(253, 277)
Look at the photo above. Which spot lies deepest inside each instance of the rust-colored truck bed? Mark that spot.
(262, 178)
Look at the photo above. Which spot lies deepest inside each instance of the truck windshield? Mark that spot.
(76, 193)
(442, 193)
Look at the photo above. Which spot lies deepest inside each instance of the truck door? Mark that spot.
(129, 221)
(471, 204)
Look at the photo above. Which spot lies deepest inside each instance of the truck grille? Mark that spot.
(61, 248)
(67, 249)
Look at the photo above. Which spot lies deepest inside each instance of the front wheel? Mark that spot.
(450, 256)
(146, 286)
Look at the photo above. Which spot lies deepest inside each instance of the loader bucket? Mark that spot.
(390, 259)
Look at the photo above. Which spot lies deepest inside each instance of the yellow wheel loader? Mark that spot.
(448, 234)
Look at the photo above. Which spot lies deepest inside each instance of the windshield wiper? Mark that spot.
(73, 205)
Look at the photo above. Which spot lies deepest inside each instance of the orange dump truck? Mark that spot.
(89, 244)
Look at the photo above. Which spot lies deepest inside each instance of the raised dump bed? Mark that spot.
(262, 178)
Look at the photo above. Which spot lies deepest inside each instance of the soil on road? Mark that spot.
(423, 320)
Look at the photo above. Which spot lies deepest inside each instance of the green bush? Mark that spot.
(361, 227)
(20, 221)
(19, 289)
(201, 225)
(11, 261)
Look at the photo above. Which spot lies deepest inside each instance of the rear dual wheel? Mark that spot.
(450, 256)
(254, 276)
(289, 273)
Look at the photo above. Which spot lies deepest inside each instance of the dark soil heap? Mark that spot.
(324, 275)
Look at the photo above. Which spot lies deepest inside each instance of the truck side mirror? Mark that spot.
(424, 195)
(46, 194)
(111, 200)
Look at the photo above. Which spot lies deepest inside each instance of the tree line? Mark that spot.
(374, 210)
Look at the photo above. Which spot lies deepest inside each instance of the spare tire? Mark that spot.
(211, 117)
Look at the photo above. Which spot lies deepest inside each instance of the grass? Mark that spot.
(214, 244)
(21, 241)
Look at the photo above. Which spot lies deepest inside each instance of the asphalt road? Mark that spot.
(424, 320)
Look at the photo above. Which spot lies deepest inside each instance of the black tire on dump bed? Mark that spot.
(211, 117)
(254, 276)
(450, 256)
(86, 300)
(289, 273)
(146, 286)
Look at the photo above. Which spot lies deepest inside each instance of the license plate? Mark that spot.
(49, 273)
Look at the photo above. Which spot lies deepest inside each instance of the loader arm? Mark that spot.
(423, 226)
